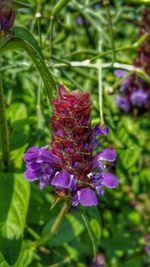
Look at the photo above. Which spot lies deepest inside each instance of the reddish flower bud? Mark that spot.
(72, 132)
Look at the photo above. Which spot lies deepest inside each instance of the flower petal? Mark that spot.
(108, 154)
(31, 176)
(88, 197)
(110, 180)
(101, 130)
(31, 154)
(64, 180)
(120, 73)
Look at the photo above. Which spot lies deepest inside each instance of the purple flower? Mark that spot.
(147, 249)
(70, 166)
(123, 103)
(120, 73)
(96, 144)
(79, 20)
(124, 86)
(107, 154)
(147, 237)
(101, 130)
(64, 180)
(41, 165)
(139, 98)
(110, 180)
(85, 197)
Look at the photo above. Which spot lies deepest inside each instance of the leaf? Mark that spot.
(90, 232)
(14, 199)
(70, 228)
(16, 5)
(31, 47)
(26, 255)
(26, 35)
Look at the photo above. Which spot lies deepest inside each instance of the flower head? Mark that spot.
(70, 166)
(7, 16)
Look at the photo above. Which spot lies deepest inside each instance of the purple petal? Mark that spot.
(124, 86)
(99, 190)
(48, 157)
(31, 154)
(87, 197)
(120, 73)
(147, 248)
(123, 103)
(96, 144)
(139, 98)
(101, 130)
(108, 154)
(110, 180)
(31, 176)
(75, 199)
(44, 184)
(64, 180)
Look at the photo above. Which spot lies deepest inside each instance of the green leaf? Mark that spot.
(26, 41)
(26, 256)
(26, 35)
(70, 228)
(14, 199)
(16, 5)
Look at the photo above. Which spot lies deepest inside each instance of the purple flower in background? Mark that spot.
(134, 91)
(70, 166)
(147, 243)
(79, 20)
(120, 73)
(138, 98)
(7, 16)
(123, 103)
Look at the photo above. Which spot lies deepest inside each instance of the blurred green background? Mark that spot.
(121, 221)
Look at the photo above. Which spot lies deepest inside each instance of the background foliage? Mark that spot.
(121, 221)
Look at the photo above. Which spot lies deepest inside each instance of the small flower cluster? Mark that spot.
(135, 92)
(7, 16)
(70, 166)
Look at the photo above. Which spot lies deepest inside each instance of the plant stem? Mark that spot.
(54, 227)
(129, 47)
(100, 92)
(4, 129)
(110, 26)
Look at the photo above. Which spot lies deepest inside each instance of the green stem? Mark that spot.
(4, 129)
(100, 91)
(129, 47)
(54, 227)
(110, 29)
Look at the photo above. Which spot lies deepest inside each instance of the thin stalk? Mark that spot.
(54, 227)
(100, 93)
(110, 30)
(51, 37)
(129, 47)
(4, 129)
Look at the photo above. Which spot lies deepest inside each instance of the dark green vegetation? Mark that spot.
(118, 225)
